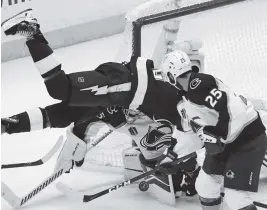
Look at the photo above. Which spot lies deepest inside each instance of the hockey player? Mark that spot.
(87, 97)
(229, 127)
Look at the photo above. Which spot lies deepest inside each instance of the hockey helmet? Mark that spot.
(175, 64)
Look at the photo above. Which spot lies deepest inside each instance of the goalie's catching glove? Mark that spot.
(165, 161)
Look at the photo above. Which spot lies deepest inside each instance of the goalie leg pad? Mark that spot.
(74, 149)
(161, 188)
(131, 162)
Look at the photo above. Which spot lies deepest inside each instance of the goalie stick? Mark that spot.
(37, 162)
(76, 195)
(17, 202)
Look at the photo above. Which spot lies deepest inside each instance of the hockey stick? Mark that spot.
(37, 162)
(262, 205)
(16, 201)
(72, 194)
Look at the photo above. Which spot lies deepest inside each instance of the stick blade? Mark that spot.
(9, 196)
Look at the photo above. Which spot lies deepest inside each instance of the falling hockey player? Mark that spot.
(88, 96)
(229, 127)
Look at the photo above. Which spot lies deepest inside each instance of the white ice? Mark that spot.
(22, 89)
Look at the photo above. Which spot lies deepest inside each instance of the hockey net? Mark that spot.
(234, 45)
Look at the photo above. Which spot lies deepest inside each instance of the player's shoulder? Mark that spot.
(200, 86)
(200, 81)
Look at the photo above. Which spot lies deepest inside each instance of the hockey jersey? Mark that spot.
(223, 113)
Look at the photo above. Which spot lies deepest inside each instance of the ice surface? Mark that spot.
(23, 88)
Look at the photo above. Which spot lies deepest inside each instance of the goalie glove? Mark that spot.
(213, 143)
(165, 161)
(73, 150)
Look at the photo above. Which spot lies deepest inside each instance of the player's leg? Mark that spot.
(79, 89)
(24, 24)
(58, 115)
(243, 171)
(87, 129)
(209, 187)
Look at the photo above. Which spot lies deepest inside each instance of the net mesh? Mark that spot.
(109, 151)
(234, 42)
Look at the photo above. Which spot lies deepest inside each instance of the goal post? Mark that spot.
(180, 12)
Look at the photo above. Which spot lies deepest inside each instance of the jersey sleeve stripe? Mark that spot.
(142, 83)
(36, 119)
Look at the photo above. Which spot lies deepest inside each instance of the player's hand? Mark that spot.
(189, 182)
(206, 137)
(165, 162)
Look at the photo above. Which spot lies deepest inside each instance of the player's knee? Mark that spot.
(58, 86)
(208, 186)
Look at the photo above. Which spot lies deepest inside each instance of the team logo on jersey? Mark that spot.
(230, 174)
(195, 83)
(108, 89)
(81, 79)
(155, 139)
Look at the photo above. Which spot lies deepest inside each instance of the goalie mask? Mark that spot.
(157, 139)
(175, 64)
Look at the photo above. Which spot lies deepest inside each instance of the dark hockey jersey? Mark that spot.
(135, 86)
(224, 113)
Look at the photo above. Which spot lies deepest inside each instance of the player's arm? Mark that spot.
(208, 95)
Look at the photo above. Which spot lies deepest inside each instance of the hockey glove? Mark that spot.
(213, 143)
(165, 161)
(188, 186)
(73, 150)
(9, 123)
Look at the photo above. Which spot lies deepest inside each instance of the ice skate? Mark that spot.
(23, 24)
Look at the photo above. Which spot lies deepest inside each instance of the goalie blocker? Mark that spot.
(144, 156)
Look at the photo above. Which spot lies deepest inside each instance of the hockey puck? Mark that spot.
(143, 186)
